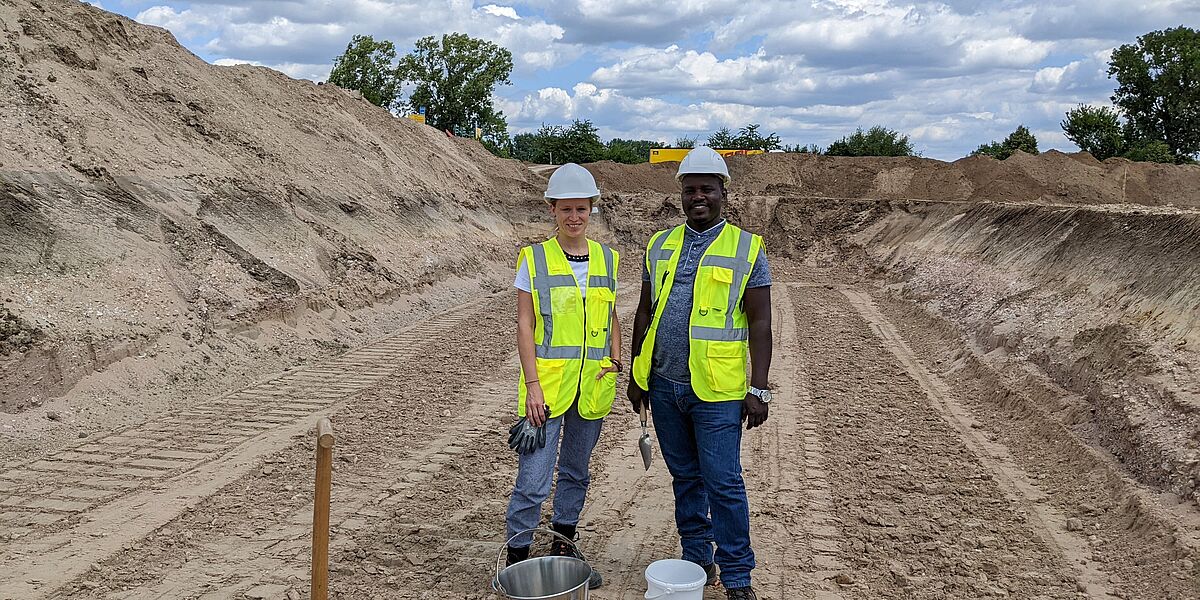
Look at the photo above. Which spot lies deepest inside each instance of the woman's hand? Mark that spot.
(609, 365)
(606, 371)
(535, 405)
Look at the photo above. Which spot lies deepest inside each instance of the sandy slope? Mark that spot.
(989, 367)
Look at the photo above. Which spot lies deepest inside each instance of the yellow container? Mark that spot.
(658, 155)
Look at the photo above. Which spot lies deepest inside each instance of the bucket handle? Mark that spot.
(496, 585)
(665, 593)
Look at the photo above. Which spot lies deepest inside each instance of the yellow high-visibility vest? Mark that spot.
(718, 330)
(571, 337)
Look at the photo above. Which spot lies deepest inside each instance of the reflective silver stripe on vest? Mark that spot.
(610, 280)
(543, 282)
(609, 259)
(740, 265)
(719, 334)
(596, 281)
(597, 353)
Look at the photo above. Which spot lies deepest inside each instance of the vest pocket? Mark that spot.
(726, 366)
(713, 297)
(550, 375)
(603, 394)
(723, 275)
(599, 307)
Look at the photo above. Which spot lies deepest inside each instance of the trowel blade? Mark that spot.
(644, 442)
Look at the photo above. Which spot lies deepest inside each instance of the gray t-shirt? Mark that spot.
(670, 360)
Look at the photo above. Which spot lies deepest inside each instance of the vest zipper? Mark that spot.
(584, 351)
(661, 283)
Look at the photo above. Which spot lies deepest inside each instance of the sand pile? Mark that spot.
(169, 222)
(1049, 178)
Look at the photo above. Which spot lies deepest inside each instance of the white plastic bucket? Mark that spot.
(675, 579)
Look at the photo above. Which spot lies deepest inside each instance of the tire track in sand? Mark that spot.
(87, 503)
(1046, 521)
(794, 532)
(796, 536)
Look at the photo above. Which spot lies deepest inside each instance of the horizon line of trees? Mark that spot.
(1155, 117)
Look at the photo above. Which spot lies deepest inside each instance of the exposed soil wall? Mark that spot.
(1106, 303)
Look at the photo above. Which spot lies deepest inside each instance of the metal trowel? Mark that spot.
(644, 442)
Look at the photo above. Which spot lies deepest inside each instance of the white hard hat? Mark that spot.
(571, 181)
(703, 160)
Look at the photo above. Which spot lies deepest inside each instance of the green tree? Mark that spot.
(1020, 139)
(877, 141)
(581, 143)
(748, 138)
(1159, 87)
(1095, 129)
(721, 138)
(532, 147)
(367, 66)
(684, 142)
(543, 147)
(798, 149)
(495, 136)
(1150, 151)
(454, 79)
(629, 151)
(556, 144)
(993, 149)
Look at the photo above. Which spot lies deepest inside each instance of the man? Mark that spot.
(705, 302)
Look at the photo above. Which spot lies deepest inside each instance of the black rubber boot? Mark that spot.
(516, 555)
(559, 547)
(562, 548)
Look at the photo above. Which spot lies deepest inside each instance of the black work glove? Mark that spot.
(524, 437)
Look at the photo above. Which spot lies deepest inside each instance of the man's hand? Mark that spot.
(754, 411)
(637, 396)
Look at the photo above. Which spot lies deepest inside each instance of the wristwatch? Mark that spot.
(764, 396)
(616, 363)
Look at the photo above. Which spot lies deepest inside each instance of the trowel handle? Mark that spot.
(642, 413)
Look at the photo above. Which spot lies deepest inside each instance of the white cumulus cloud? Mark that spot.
(184, 24)
(500, 11)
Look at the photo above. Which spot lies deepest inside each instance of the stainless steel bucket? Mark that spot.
(543, 577)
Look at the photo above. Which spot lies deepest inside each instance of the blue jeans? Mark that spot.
(701, 444)
(536, 469)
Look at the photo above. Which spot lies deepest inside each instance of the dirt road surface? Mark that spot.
(881, 473)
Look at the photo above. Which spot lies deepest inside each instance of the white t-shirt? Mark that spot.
(581, 276)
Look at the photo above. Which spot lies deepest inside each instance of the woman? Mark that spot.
(569, 343)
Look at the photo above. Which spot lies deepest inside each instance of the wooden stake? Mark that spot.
(320, 548)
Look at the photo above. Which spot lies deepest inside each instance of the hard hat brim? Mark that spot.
(725, 178)
(550, 198)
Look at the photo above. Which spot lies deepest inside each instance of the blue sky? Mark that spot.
(951, 75)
